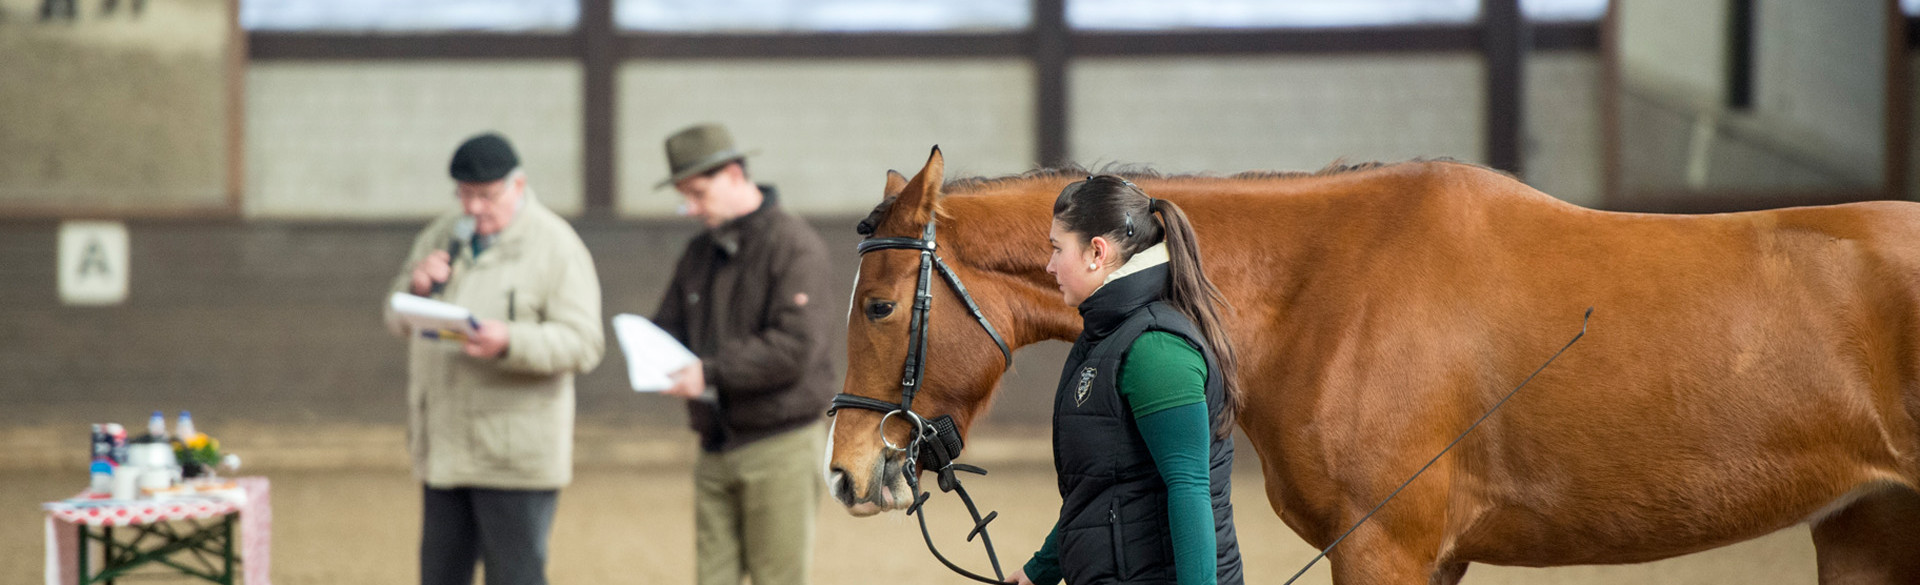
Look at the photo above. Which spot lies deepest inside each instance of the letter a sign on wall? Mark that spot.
(93, 263)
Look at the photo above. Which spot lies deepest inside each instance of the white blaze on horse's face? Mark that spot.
(860, 473)
(867, 461)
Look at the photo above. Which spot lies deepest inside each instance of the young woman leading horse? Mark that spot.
(1143, 437)
(1743, 372)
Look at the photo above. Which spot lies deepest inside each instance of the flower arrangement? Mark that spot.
(198, 454)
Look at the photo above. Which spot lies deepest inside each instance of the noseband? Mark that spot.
(935, 442)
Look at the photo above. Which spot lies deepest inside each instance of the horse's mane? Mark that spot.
(1132, 172)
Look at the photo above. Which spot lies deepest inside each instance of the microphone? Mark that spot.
(462, 231)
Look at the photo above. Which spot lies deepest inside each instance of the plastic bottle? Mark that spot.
(100, 476)
(101, 468)
(102, 444)
(157, 426)
(184, 428)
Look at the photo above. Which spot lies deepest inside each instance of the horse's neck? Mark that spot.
(1000, 233)
(1002, 238)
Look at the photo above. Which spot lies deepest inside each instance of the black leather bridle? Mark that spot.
(935, 442)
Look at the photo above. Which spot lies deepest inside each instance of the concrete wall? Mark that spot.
(1301, 113)
(274, 317)
(279, 322)
(1285, 113)
(1817, 117)
(827, 131)
(369, 141)
(1821, 82)
(1678, 46)
(1562, 132)
(115, 113)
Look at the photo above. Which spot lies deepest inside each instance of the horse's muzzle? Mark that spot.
(886, 488)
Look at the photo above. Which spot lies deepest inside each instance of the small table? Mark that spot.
(192, 535)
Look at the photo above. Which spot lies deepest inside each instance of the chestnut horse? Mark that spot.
(1744, 372)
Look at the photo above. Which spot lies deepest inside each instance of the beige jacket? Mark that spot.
(504, 423)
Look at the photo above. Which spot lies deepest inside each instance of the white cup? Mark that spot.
(126, 482)
(155, 479)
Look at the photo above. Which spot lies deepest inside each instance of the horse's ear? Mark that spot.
(895, 183)
(918, 196)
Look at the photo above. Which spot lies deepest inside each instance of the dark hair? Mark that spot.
(1114, 208)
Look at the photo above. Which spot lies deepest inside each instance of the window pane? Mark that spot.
(821, 15)
(1910, 7)
(1160, 14)
(409, 15)
(1563, 10)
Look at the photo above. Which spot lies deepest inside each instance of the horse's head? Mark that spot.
(960, 364)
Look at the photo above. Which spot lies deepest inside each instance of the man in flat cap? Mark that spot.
(746, 297)
(490, 416)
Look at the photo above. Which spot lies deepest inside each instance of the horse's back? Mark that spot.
(1742, 370)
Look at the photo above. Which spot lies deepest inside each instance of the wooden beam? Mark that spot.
(820, 45)
(1504, 42)
(282, 46)
(335, 46)
(1256, 42)
(1051, 49)
(599, 64)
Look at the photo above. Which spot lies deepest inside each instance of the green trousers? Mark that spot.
(754, 509)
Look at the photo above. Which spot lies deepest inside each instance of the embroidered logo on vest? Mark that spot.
(1086, 385)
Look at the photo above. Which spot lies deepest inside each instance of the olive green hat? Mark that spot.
(698, 149)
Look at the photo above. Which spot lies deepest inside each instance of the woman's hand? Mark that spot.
(1019, 576)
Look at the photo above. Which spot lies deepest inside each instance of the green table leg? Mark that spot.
(227, 550)
(84, 578)
(118, 559)
(106, 548)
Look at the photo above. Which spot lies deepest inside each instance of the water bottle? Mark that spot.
(157, 426)
(184, 428)
(100, 475)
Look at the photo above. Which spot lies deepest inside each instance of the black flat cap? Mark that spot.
(483, 159)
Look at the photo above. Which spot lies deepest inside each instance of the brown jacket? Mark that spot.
(750, 298)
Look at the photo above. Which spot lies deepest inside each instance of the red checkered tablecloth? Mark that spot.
(255, 539)
(107, 513)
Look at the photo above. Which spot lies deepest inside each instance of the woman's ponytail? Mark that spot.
(1189, 290)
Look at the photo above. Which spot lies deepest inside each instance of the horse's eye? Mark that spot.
(878, 310)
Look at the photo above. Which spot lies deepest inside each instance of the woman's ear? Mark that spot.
(1101, 248)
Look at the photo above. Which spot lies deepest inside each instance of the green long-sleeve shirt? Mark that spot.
(1164, 380)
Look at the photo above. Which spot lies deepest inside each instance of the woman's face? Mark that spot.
(1077, 264)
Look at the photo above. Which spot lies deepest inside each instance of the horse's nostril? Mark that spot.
(843, 485)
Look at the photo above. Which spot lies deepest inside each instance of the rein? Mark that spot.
(1449, 447)
(935, 443)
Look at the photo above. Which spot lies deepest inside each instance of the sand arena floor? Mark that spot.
(615, 525)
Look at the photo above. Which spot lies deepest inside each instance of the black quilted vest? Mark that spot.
(1113, 514)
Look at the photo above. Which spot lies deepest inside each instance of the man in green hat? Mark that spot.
(746, 298)
(490, 413)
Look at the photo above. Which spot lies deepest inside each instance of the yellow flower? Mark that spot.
(198, 440)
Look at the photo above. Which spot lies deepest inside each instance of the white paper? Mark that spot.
(652, 354)
(424, 314)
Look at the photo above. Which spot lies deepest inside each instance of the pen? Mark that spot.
(444, 335)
